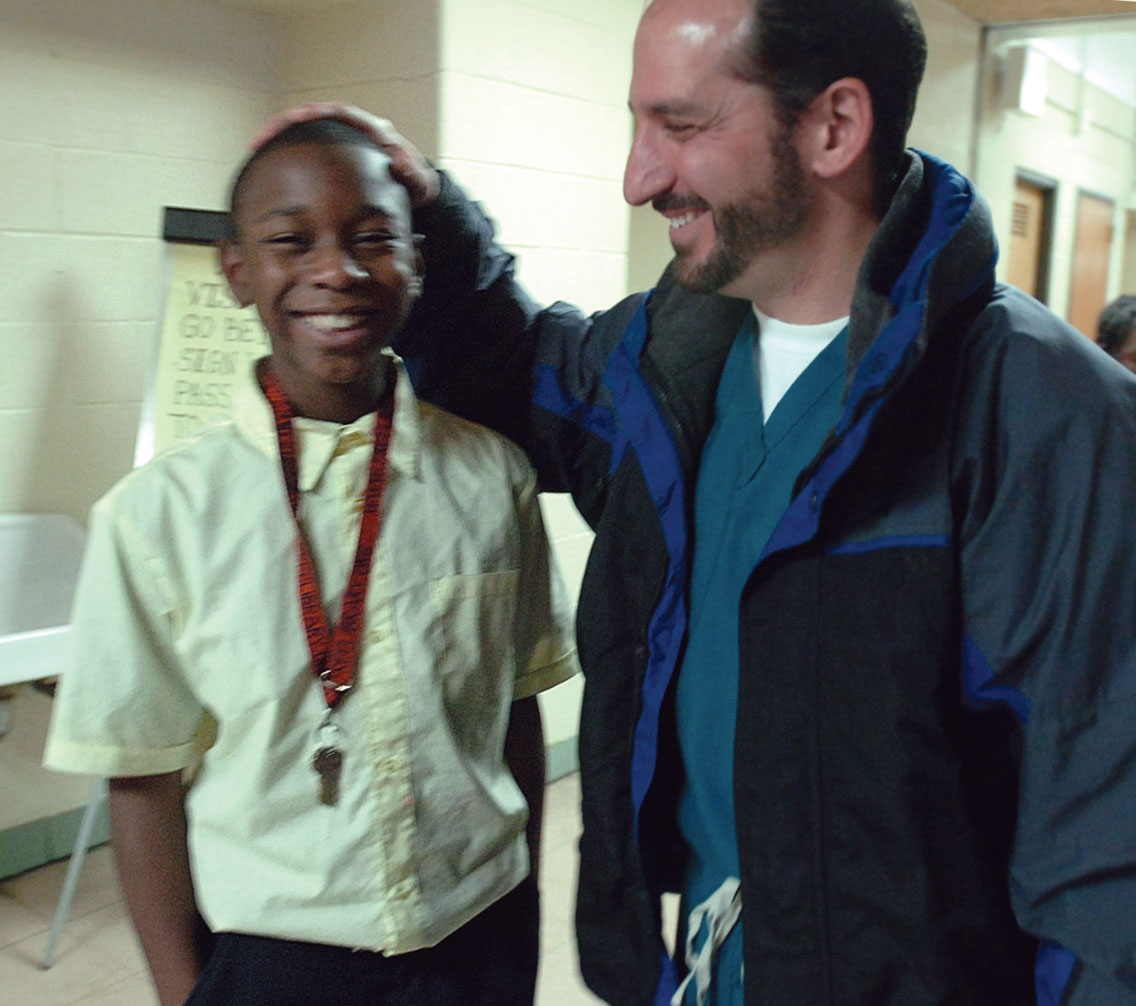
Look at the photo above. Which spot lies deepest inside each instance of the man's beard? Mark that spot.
(766, 220)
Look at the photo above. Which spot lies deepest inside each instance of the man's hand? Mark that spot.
(408, 166)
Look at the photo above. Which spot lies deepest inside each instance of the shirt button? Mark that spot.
(402, 890)
(389, 766)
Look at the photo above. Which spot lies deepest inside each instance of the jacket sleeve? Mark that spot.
(476, 344)
(1045, 462)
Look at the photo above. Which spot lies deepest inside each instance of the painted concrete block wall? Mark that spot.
(944, 115)
(109, 111)
(382, 55)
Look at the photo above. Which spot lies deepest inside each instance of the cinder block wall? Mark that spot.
(110, 111)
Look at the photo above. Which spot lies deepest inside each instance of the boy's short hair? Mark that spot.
(1116, 323)
(325, 132)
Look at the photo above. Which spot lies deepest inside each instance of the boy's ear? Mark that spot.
(419, 276)
(236, 271)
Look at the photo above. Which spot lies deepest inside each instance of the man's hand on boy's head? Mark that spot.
(408, 166)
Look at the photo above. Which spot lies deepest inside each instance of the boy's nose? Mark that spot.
(333, 265)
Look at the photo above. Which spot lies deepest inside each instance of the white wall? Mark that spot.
(108, 112)
(944, 115)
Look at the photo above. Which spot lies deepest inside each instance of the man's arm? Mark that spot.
(148, 833)
(524, 754)
(1045, 457)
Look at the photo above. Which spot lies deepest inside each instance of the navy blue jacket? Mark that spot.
(935, 760)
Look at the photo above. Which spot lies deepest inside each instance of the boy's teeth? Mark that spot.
(331, 322)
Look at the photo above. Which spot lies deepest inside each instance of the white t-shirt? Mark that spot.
(782, 351)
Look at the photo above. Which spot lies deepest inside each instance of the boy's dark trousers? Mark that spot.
(491, 960)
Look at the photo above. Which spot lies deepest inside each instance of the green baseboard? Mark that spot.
(560, 759)
(27, 846)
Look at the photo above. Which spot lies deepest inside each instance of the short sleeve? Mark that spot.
(543, 633)
(123, 708)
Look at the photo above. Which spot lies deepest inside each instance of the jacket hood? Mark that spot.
(933, 250)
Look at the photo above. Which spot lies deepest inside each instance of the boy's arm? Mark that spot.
(524, 754)
(148, 833)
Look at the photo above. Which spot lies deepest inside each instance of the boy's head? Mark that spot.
(1116, 330)
(320, 240)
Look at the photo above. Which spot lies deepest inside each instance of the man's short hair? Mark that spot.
(325, 132)
(1116, 324)
(799, 47)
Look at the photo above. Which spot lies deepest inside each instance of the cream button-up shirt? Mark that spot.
(188, 648)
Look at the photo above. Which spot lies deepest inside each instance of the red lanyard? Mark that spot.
(333, 664)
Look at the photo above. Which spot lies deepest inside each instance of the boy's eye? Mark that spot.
(374, 239)
(286, 238)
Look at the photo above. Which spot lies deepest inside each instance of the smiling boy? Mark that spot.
(338, 605)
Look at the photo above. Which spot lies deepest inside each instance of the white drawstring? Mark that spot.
(721, 911)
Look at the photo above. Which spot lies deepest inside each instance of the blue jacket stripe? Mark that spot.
(668, 982)
(551, 396)
(892, 541)
(802, 518)
(1051, 976)
(953, 200)
(642, 426)
(979, 689)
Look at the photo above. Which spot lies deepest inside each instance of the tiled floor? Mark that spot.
(99, 962)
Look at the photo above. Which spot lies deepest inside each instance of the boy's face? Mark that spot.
(326, 253)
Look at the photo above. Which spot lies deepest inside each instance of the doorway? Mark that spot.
(1031, 231)
(1091, 249)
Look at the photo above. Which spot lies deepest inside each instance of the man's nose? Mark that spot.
(648, 172)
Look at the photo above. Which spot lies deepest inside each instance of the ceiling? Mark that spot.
(986, 11)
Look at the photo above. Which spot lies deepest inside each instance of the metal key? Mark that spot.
(328, 762)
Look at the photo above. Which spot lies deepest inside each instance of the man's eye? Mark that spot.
(680, 129)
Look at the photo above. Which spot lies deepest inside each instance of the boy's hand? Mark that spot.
(408, 166)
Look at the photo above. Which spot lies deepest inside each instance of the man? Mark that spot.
(1116, 331)
(859, 667)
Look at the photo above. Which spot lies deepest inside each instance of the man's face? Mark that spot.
(326, 254)
(709, 152)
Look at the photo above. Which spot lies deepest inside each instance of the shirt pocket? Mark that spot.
(474, 655)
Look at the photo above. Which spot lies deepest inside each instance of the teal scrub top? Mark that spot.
(745, 483)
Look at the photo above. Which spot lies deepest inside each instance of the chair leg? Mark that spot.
(71, 881)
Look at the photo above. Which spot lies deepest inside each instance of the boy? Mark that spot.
(352, 792)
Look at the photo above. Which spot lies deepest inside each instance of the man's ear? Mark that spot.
(236, 271)
(835, 131)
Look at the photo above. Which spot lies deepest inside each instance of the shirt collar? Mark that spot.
(319, 442)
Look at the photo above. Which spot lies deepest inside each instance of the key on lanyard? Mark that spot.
(328, 762)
